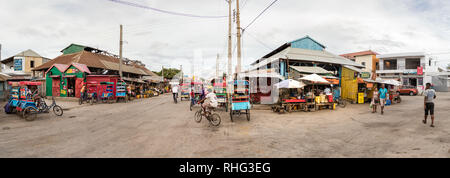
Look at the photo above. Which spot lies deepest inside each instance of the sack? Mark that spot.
(388, 102)
(371, 105)
(7, 108)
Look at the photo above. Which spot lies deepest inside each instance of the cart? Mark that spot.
(240, 100)
(220, 88)
(27, 106)
(121, 92)
(107, 95)
(290, 105)
(92, 92)
(185, 90)
(13, 101)
(197, 87)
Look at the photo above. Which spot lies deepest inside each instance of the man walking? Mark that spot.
(430, 95)
(383, 92)
(175, 93)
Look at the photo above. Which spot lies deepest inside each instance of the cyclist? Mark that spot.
(211, 100)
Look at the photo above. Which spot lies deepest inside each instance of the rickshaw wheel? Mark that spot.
(29, 113)
(248, 115)
(57, 110)
(231, 115)
(215, 119)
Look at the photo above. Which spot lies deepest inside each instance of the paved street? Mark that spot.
(157, 127)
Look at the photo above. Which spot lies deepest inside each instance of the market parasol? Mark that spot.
(290, 84)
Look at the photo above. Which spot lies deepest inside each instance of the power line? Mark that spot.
(162, 11)
(260, 14)
(259, 41)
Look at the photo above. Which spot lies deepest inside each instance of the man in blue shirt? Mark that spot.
(383, 92)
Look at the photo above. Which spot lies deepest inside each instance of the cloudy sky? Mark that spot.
(158, 39)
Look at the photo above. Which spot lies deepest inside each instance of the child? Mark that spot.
(375, 100)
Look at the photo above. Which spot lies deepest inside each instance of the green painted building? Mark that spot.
(65, 80)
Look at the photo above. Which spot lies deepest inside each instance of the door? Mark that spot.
(78, 85)
(56, 87)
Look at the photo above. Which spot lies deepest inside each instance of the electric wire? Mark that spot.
(161, 10)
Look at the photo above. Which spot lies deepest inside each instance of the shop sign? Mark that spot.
(18, 63)
(72, 71)
(419, 70)
(365, 75)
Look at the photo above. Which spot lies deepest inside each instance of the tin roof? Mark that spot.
(310, 70)
(320, 56)
(362, 53)
(26, 53)
(94, 60)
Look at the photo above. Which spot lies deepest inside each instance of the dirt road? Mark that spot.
(157, 127)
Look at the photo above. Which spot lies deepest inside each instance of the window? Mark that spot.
(390, 64)
(31, 64)
(412, 63)
(363, 63)
(377, 65)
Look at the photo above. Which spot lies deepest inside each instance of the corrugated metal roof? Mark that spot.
(354, 68)
(93, 60)
(308, 55)
(310, 70)
(318, 56)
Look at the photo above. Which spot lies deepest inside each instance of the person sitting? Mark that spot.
(210, 100)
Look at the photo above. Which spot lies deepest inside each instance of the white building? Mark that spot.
(412, 69)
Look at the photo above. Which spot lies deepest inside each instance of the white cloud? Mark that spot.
(47, 26)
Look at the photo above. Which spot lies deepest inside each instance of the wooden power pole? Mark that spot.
(230, 69)
(238, 22)
(120, 52)
(217, 66)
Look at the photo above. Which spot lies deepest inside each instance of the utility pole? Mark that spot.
(162, 73)
(182, 75)
(1, 65)
(217, 66)
(120, 52)
(230, 73)
(238, 22)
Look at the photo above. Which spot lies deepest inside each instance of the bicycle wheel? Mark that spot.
(29, 114)
(342, 104)
(248, 114)
(215, 119)
(57, 110)
(198, 116)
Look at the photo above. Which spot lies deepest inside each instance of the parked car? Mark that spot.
(408, 90)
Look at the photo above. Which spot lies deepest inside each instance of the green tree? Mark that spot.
(168, 73)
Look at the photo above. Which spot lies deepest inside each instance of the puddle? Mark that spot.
(72, 116)
(6, 128)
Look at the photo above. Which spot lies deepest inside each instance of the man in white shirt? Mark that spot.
(210, 100)
(175, 93)
(430, 95)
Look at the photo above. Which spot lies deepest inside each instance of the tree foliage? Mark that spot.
(168, 73)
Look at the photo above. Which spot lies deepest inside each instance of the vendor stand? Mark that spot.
(289, 104)
(321, 100)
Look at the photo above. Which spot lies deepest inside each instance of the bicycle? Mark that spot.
(213, 118)
(43, 107)
(341, 102)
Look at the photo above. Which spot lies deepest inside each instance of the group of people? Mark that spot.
(380, 97)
